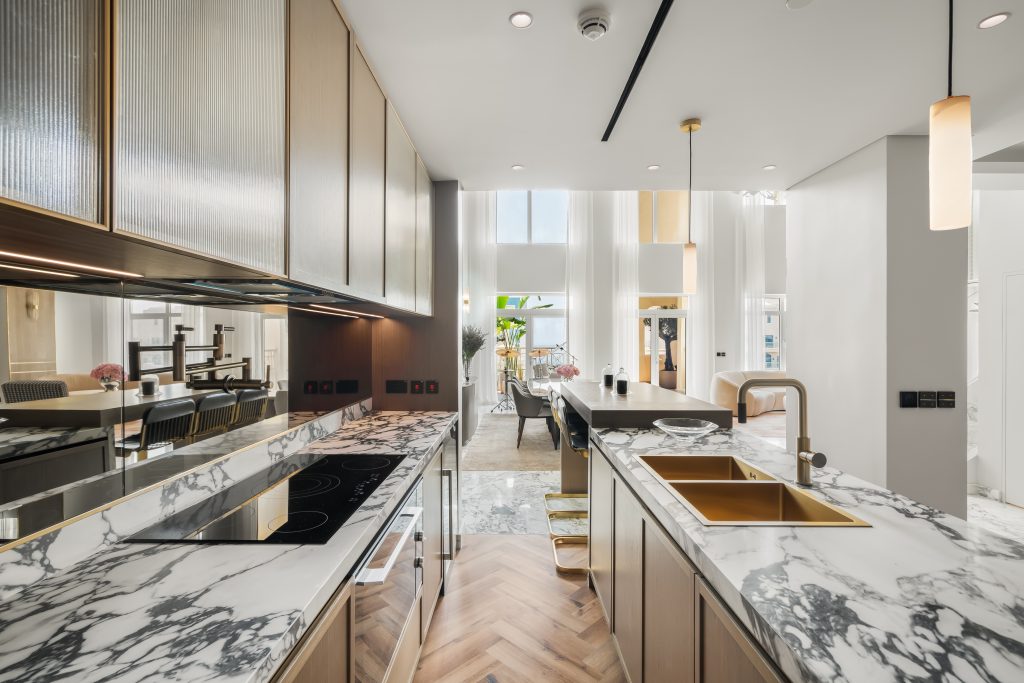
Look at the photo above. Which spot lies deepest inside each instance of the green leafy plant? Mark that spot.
(473, 339)
(510, 330)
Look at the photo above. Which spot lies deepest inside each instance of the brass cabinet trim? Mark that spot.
(291, 667)
(705, 594)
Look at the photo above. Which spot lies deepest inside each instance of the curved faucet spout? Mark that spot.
(803, 441)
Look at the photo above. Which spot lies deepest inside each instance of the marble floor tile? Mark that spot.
(496, 502)
(995, 516)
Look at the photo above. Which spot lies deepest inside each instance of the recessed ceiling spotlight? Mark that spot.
(994, 20)
(521, 19)
(769, 167)
(517, 167)
(653, 167)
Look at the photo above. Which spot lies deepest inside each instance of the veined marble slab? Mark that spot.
(198, 612)
(919, 596)
(18, 441)
(62, 548)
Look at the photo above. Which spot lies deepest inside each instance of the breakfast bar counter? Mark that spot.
(642, 405)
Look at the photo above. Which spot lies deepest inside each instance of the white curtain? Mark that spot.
(579, 283)
(480, 282)
(700, 347)
(624, 283)
(750, 271)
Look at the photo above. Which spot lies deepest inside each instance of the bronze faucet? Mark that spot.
(805, 457)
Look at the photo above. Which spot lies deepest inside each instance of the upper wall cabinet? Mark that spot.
(50, 105)
(318, 144)
(424, 240)
(199, 130)
(367, 112)
(400, 217)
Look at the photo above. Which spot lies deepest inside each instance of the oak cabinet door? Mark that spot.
(323, 654)
(602, 502)
(724, 649)
(628, 579)
(668, 610)
(367, 153)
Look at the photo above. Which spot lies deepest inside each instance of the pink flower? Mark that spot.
(108, 372)
(567, 371)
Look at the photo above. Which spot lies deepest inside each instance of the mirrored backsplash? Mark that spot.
(107, 394)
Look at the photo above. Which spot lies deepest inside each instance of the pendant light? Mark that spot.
(690, 126)
(950, 156)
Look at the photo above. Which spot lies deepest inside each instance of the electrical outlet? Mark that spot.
(396, 386)
(346, 386)
(310, 386)
(416, 386)
(326, 386)
(432, 386)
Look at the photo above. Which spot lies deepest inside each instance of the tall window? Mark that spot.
(662, 327)
(152, 323)
(533, 216)
(774, 342)
(664, 217)
(529, 329)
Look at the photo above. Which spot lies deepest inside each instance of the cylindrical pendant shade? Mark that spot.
(950, 164)
(689, 268)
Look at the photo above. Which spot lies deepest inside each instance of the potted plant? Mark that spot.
(473, 340)
(110, 375)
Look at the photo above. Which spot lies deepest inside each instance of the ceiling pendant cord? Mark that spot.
(689, 193)
(949, 76)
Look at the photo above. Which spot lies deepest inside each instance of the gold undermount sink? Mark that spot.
(722, 490)
(703, 468)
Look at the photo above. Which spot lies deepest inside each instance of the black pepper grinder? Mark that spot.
(622, 382)
(608, 375)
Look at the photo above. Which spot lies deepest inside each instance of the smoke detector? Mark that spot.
(593, 23)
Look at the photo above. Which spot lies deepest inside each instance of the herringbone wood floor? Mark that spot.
(508, 617)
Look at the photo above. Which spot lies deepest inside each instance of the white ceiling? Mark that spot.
(800, 89)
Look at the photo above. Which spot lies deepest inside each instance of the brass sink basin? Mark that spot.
(703, 468)
(758, 503)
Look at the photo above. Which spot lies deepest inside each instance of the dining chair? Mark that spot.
(529, 406)
(163, 425)
(252, 406)
(19, 391)
(214, 415)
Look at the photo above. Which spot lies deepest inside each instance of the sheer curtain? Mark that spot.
(624, 283)
(700, 348)
(579, 283)
(750, 269)
(480, 281)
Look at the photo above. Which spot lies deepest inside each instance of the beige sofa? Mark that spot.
(726, 385)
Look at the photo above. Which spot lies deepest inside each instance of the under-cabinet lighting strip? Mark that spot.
(7, 266)
(67, 264)
(310, 310)
(342, 310)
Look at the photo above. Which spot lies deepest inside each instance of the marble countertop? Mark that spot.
(195, 612)
(920, 595)
(18, 441)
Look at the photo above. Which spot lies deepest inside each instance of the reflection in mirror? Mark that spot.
(109, 388)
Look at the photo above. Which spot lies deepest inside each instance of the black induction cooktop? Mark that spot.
(303, 502)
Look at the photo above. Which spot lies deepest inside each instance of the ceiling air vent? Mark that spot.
(594, 23)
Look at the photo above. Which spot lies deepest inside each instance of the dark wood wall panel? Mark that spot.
(326, 348)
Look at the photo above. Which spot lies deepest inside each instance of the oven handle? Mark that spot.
(378, 575)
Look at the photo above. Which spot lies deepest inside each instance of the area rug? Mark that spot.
(493, 446)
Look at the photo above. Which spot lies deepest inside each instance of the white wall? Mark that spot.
(775, 249)
(999, 251)
(79, 329)
(603, 297)
(876, 303)
(726, 207)
(528, 268)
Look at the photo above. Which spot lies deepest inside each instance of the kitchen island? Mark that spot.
(642, 405)
(199, 612)
(917, 595)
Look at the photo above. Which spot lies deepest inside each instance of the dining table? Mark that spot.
(99, 409)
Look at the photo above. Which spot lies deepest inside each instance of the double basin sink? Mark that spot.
(723, 490)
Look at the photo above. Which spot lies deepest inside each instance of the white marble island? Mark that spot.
(919, 595)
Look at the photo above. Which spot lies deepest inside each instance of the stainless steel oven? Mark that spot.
(387, 586)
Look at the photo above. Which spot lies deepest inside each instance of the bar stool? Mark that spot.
(162, 426)
(252, 406)
(214, 415)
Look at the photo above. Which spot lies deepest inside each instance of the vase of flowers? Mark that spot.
(567, 371)
(110, 375)
(472, 341)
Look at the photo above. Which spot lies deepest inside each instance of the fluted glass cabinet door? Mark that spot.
(200, 126)
(49, 104)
